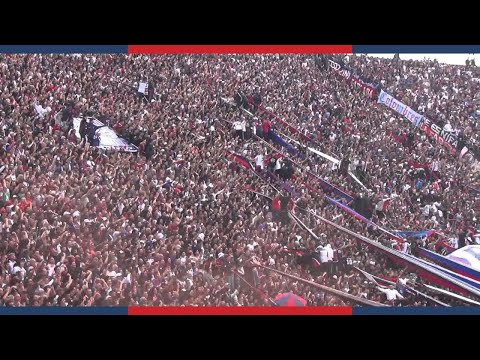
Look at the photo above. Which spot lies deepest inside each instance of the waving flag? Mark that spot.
(241, 160)
(325, 185)
(415, 234)
(417, 165)
(106, 137)
(283, 184)
(329, 187)
(291, 128)
(279, 141)
(368, 276)
(356, 215)
(350, 211)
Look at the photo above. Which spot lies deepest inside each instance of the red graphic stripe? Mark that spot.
(247, 310)
(239, 49)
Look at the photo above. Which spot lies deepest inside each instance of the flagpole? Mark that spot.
(329, 290)
(304, 226)
(385, 231)
(315, 215)
(415, 291)
(410, 260)
(450, 294)
(328, 157)
(444, 274)
(288, 157)
(301, 166)
(254, 288)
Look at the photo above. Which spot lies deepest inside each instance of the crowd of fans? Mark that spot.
(178, 222)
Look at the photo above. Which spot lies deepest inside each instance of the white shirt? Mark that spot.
(237, 125)
(17, 269)
(244, 125)
(405, 246)
(379, 206)
(426, 210)
(259, 160)
(329, 250)
(51, 269)
(126, 280)
(323, 256)
(278, 164)
(183, 260)
(454, 242)
(392, 294)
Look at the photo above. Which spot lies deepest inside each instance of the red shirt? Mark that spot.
(276, 204)
(390, 278)
(24, 204)
(266, 126)
(290, 205)
(118, 126)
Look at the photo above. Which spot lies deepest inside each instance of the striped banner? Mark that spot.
(399, 107)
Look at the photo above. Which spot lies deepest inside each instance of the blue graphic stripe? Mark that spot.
(64, 49)
(56, 310)
(416, 49)
(457, 310)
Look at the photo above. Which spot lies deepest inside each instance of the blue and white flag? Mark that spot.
(107, 137)
(415, 234)
(399, 107)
